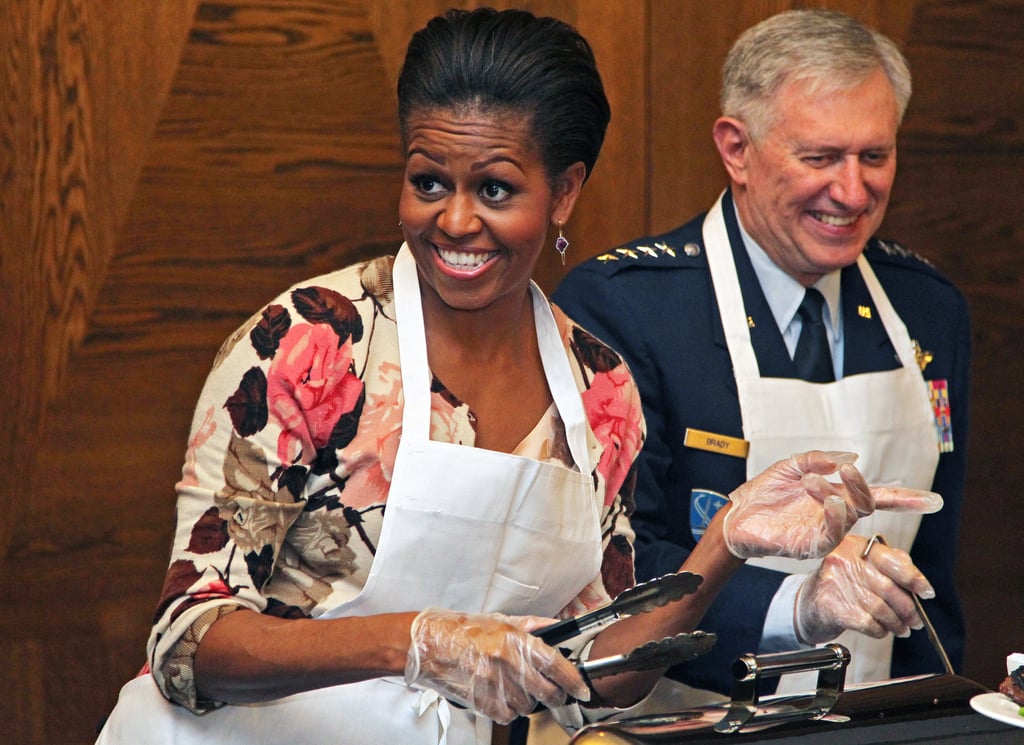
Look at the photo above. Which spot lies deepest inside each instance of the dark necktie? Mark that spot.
(812, 358)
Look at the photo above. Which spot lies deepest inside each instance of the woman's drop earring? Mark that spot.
(561, 243)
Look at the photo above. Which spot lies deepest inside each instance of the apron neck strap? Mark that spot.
(726, 285)
(893, 324)
(731, 308)
(412, 351)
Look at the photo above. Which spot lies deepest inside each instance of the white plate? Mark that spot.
(999, 707)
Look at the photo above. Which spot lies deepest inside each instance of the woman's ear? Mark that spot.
(567, 188)
(733, 142)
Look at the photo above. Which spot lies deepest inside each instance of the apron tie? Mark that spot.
(429, 698)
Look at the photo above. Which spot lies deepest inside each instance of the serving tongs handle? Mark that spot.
(640, 598)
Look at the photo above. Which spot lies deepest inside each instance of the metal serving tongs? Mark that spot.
(638, 599)
(661, 653)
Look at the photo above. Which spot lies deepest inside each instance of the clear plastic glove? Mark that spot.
(792, 510)
(490, 663)
(870, 595)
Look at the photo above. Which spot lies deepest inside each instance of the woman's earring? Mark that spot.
(561, 243)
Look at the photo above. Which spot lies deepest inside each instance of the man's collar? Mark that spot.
(783, 293)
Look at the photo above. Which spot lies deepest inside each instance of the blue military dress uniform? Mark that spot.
(654, 302)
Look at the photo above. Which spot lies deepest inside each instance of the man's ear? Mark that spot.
(733, 142)
(567, 190)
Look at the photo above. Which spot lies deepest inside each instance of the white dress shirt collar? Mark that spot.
(784, 294)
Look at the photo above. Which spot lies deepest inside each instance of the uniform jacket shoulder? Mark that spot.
(889, 254)
(680, 248)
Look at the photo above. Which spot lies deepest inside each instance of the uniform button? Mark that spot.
(691, 249)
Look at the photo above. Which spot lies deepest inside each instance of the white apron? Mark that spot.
(886, 417)
(465, 528)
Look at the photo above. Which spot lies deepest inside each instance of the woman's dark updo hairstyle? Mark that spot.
(512, 62)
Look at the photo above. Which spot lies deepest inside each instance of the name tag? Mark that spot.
(701, 440)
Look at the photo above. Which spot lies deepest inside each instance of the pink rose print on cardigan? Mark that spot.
(310, 386)
(613, 408)
(203, 432)
(370, 457)
(615, 414)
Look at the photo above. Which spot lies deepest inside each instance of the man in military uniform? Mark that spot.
(738, 366)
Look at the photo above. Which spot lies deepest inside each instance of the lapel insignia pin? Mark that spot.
(750, 322)
(864, 311)
(923, 356)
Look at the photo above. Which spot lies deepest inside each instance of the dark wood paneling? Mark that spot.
(961, 167)
(612, 207)
(81, 89)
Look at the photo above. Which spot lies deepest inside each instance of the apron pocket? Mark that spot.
(506, 595)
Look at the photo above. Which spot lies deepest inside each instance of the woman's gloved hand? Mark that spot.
(868, 594)
(792, 510)
(490, 663)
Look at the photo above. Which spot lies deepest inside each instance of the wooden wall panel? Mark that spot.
(961, 163)
(612, 207)
(80, 89)
(81, 86)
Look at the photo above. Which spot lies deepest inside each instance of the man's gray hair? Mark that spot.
(828, 50)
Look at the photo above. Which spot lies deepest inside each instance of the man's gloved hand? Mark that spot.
(870, 594)
(490, 663)
(792, 510)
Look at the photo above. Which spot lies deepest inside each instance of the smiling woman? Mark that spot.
(400, 469)
(476, 207)
(477, 204)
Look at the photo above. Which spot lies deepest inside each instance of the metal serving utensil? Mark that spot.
(660, 653)
(933, 637)
(640, 598)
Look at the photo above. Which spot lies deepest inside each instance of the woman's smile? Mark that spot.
(476, 206)
(464, 262)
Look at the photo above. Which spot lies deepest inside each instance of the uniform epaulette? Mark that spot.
(893, 254)
(895, 250)
(650, 252)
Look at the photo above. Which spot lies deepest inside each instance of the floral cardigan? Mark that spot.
(289, 462)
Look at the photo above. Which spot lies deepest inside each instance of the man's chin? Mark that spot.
(830, 256)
